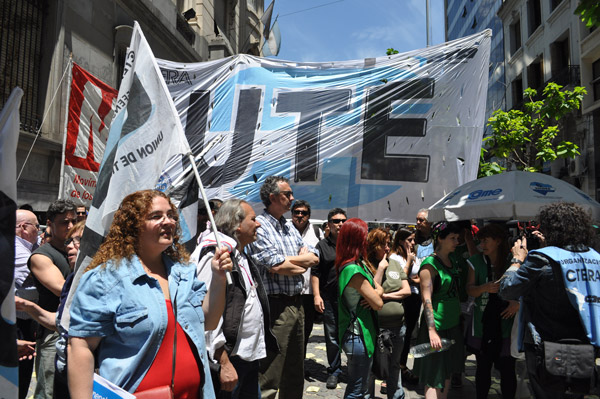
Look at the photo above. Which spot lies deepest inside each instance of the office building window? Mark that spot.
(596, 79)
(517, 92)
(515, 36)
(534, 15)
(535, 74)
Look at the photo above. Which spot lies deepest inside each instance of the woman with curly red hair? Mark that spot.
(137, 296)
(359, 299)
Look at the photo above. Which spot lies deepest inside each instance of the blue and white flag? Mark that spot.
(146, 149)
(272, 42)
(9, 136)
(380, 137)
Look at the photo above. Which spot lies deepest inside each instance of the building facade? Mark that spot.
(547, 42)
(467, 17)
(39, 37)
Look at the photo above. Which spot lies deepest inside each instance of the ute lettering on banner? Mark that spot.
(380, 137)
(90, 113)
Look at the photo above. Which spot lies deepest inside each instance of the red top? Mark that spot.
(187, 371)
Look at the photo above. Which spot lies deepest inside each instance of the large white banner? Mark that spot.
(90, 112)
(380, 137)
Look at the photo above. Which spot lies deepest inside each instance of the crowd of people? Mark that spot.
(161, 320)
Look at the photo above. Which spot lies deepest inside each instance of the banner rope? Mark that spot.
(44, 117)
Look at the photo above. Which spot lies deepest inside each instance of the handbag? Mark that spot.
(569, 363)
(382, 355)
(164, 391)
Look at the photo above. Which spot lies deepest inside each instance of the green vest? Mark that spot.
(445, 298)
(480, 265)
(459, 257)
(365, 317)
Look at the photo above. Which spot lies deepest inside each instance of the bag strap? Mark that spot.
(174, 343)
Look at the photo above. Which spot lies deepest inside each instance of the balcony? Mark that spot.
(569, 76)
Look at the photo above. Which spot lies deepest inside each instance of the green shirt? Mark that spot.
(445, 298)
(459, 257)
(480, 266)
(349, 310)
(392, 313)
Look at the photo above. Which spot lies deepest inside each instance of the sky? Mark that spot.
(339, 30)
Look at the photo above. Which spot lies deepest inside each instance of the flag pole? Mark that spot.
(213, 226)
(61, 184)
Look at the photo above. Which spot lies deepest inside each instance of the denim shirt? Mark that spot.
(126, 307)
(544, 301)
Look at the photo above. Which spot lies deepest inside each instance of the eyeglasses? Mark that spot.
(159, 217)
(301, 213)
(288, 194)
(421, 220)
(336, 221)
(74, 239)
(37, 226)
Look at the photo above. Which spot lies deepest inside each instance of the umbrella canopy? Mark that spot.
(511, 195)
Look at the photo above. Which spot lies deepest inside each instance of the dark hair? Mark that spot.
(299, 203)
(566, 223)
(215, 204)
(335, 211)
(271, 186)
(441, 230)
(351, 243)
(398, 243)
(58, 207)
(496, 232)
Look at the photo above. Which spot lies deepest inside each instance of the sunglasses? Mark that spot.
(301, 213)
(81, 213)
(75, 240)
(336, 221)
(288, 194)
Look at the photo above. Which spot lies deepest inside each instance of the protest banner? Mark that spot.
(380, 137)
(88, 123)
(146, 149)
(9, 135)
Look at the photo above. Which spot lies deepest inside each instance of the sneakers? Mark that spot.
(332, 382)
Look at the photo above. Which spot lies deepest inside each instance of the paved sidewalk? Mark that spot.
(316, 364)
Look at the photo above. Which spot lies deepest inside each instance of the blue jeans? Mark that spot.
(330, 325)
(359, 368)
(247, 386)
(394, 381)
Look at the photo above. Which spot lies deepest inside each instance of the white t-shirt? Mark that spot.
(414, 271)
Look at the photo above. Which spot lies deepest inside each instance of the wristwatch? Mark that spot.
(515, 260)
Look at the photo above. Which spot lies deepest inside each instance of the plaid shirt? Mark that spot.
(277, 239)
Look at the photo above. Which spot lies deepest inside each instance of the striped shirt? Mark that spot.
(277, 239)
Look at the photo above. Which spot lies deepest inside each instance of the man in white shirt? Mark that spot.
(243, 334)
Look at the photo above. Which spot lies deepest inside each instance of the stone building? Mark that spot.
(545, 41)
(37, 38)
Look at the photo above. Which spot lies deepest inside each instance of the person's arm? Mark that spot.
(476, 290)
(25, 349)
(519, 279)
(42, 316)
(318, 301)
(214, 303)
(383, 265)
(228, 375)
(295, 265)
(371, 295)
(47, 273)
(400, 294)
(428, 274)
(80, 370)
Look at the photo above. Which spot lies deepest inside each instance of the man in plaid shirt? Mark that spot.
(282, 258)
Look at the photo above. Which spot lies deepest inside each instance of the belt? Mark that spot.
(292, 299)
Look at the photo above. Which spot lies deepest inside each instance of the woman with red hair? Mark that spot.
(359, 299)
